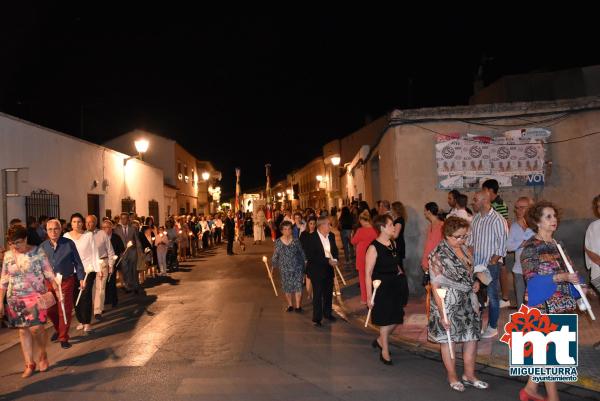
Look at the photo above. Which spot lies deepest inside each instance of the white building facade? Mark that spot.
(45, 172)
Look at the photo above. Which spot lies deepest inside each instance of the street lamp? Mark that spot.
(335, 160)
(319, 178)
(205, 175)
(141, 145)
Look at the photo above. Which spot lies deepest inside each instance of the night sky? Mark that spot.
(242, 90)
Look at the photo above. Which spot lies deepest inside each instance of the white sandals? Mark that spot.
(457, 386)
(481, 385)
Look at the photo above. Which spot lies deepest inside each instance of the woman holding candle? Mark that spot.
(84, 242)
(548, 282)
(289, 259)
(383, 263)
(451, 268)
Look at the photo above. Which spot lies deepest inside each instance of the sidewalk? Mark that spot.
(490, 352)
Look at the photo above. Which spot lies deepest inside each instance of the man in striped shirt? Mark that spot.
(492, 187)
(488, 244)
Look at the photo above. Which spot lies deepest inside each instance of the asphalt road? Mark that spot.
(215, 331)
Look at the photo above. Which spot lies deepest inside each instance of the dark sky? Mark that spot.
(242, 90)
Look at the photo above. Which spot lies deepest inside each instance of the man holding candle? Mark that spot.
(64, 258)
(128, 233)
(322, 254)
(106, 263)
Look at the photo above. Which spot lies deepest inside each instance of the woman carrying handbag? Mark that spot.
(25, 269)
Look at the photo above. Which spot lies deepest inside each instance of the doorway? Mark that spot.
(94, 205)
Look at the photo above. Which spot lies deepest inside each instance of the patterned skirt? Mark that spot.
(465, 322)
(23, 311)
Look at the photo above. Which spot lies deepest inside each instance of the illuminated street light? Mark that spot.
(319, 178)
(335, 160)
(141, 145)
(279, 194)
(205, 175)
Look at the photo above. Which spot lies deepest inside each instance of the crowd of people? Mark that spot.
(464, 255)
(52, 266)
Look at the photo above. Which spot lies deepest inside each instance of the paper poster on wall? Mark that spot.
(508, 157)
(476, 158)
(449, 156)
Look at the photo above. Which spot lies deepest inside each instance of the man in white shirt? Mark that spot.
(592, 246)
(106, 261)
(321, 254)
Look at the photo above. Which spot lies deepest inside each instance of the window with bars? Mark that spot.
(42, 203)
(128, 205)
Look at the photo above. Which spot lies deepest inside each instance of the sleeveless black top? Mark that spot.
(387, 260)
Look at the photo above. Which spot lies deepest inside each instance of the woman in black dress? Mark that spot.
(383, 263)
(311, 226)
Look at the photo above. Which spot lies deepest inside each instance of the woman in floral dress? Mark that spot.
(289, 259)
(548, 282)
(451, 267)
(24, 271)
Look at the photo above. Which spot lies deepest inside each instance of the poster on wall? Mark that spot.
(464, 160)
(449, 157)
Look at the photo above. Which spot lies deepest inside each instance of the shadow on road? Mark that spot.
(67, 381)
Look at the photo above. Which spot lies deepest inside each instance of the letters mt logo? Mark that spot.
(542, 345)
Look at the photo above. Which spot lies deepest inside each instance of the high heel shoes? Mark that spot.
(385, 361)
(375, 344)
(43, 363)
(29, 369)
(524, 396)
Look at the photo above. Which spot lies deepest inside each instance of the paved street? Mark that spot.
(215, 331)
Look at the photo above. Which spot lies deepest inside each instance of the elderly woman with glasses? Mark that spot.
(25, 269)
(451, 267)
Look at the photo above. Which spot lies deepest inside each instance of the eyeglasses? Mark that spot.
(460, 237)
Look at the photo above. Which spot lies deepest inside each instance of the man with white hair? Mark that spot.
(64, 259)
(107, 258)
(321, 254)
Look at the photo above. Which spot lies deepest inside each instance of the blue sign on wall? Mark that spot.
(534, 180)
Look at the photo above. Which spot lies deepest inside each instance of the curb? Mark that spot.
(584, 382)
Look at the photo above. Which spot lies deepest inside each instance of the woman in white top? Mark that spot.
(84, 242)
(592, 246)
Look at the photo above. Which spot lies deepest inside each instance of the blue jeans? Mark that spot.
(346, 234)
(493, 295)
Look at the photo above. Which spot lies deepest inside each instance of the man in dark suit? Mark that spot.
(118, 248)
(128, 266)
(322, 254)
(230, 232)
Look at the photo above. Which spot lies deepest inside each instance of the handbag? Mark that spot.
(46, 300)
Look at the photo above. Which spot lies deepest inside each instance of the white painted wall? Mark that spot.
(68, 166)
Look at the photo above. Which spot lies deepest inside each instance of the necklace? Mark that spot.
(392, 248)
(539, 237)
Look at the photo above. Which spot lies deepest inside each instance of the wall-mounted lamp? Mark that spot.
(141, 145)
